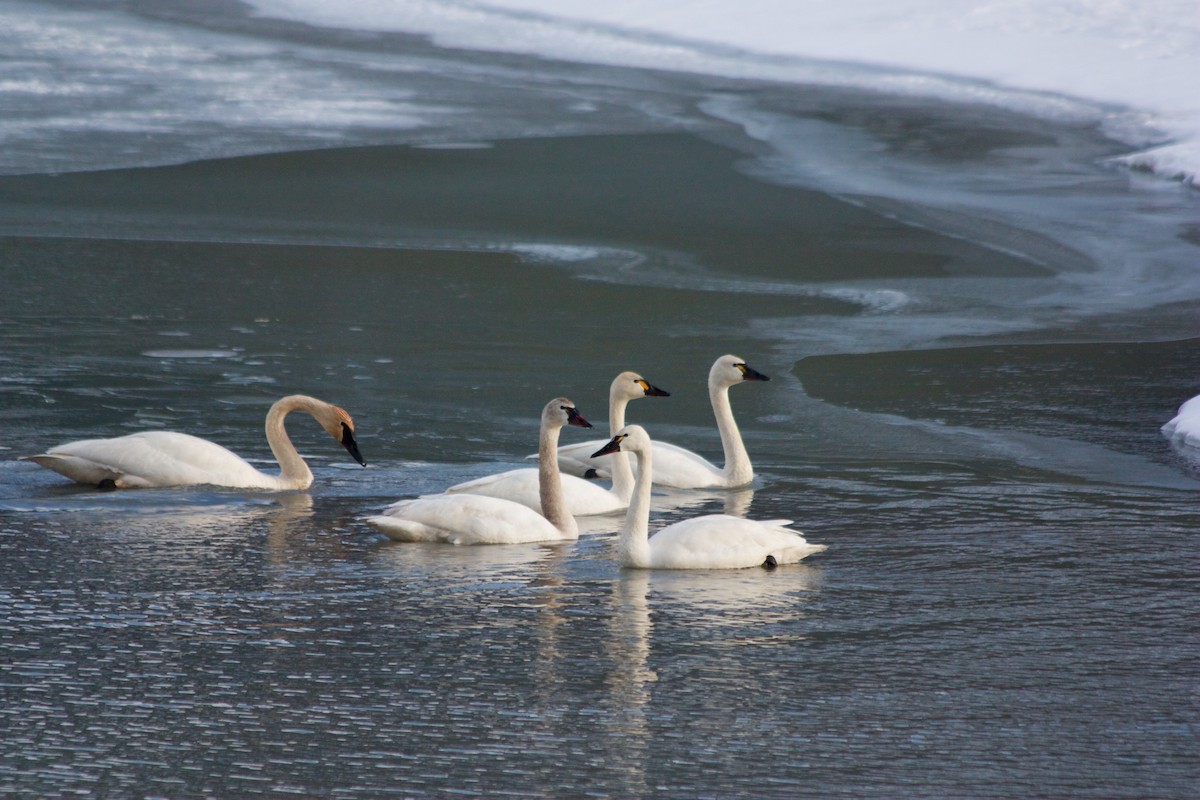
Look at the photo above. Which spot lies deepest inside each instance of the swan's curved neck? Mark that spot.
(550, 491)
(738, 470)
(293, 472)
(622, 472)
(633, 546)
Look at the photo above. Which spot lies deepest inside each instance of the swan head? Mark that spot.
(630, 386)
(729, 370)
(338, 424)
(560, 411)
(630, 439)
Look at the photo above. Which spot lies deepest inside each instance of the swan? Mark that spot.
(576, 458)
(715, 541)
(1184, 428)
(583, 498)
(152, 459)
(680, 468)
(478, 519)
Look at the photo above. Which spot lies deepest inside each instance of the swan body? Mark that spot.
(715, 541)
(469, 519)
(165, 458)
(680, 468)
(1184, 428)
(583, 498)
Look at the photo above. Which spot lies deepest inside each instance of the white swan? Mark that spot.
(576, 459)
(166, 458)
(476, 519)
(681, 468)
(1183, 431)
(583, 497)
(716, 541)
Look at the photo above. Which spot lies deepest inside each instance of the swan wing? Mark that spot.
(674, 466)
(583, 498)
(464, 519)
(680, 468)
(718, 541)
(576, 459)
(154, 458)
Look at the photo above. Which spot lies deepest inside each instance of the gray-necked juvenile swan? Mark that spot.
(681, 468)
(583, 497)
(165, 458)
(478, 519)
(716, 541)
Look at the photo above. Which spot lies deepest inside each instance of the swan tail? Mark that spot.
(403, 530)
(790, 555)
(80, 470)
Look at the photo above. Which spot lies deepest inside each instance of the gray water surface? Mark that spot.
(974, 328)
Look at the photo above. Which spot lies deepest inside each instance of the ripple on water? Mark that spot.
(191, 354)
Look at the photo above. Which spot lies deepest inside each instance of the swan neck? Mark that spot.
(622, 471)
(738, 470)
(293, 471)
(633, 547)
(550, 490)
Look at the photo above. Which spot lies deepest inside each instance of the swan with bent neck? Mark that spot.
(582, 497)
(155, 459)
(715, 541)
(468, 519)
(680, 468)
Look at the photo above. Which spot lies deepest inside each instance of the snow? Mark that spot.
(1134, 60)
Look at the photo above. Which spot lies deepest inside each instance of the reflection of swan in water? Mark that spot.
(734, 600)
(630, 684)
(167, 458)
(476, 519)
(458, 567)
(715, 541)
(681, 468)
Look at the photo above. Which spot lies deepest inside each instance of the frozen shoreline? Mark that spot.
(1122, 65)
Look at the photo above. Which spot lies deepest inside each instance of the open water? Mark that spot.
(974, 327)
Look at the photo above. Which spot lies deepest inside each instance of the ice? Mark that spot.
(1133, 61)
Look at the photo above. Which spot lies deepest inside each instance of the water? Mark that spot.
(973, 326)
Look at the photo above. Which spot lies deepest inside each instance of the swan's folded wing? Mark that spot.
(464, 519)
(583, 498)
(575, 459)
